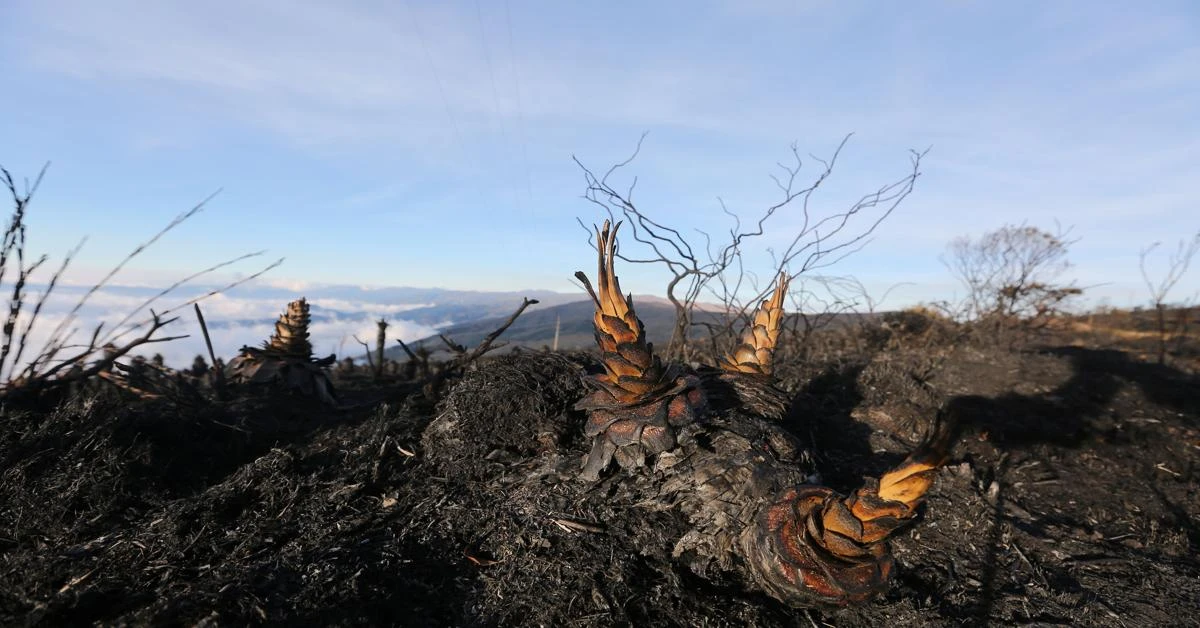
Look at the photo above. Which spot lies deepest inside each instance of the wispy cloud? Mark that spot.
(427, 143)
(328, 73)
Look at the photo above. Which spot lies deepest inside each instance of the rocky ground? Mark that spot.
(1072, 497)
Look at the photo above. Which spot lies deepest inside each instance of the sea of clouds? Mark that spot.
(244, 316)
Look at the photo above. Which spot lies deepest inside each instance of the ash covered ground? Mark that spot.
(1071, 498)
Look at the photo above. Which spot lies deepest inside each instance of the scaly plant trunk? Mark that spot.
(380, 339)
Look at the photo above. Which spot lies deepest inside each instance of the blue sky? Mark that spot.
(430, 144)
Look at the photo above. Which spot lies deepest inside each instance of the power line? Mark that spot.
(487, 55)
(520, 109)
(437, 80)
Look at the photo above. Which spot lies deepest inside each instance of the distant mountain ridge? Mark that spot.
(435, 306)
(535, 328)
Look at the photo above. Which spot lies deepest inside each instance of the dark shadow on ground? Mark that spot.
(1161, 384)
(820, 415)
(1079, 407)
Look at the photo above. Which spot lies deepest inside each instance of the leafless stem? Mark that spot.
(412, 356)
(171, 288)
(47, 369)
(1177, 266)
(486, 345)
(50, 376)
(218, 374)
(55, 336)
(366, 349)
(821, 239)
(464, 358)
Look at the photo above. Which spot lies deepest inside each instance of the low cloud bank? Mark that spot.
(234, 320)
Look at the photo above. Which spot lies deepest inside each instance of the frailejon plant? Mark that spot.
(715, 448)
(286, 359)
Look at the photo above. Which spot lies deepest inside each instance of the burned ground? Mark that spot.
(1072, 497)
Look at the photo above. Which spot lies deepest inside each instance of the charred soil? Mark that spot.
(1072, 497)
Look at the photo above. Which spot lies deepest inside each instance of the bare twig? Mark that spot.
(571, 525)
(486, 345)
(171, 288)
(1177, 266)
(464, 358)
(412, 356)
(137, 250)
(366, 349)
(37, 308)
(48, 377)
(218, 374)
(717, 270)
(454, 347)
(14, 244)
(47, 369)
(124, 384)
(211, 293)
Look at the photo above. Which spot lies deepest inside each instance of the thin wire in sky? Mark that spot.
(520, 109)
(487, 55)
(412, 15)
